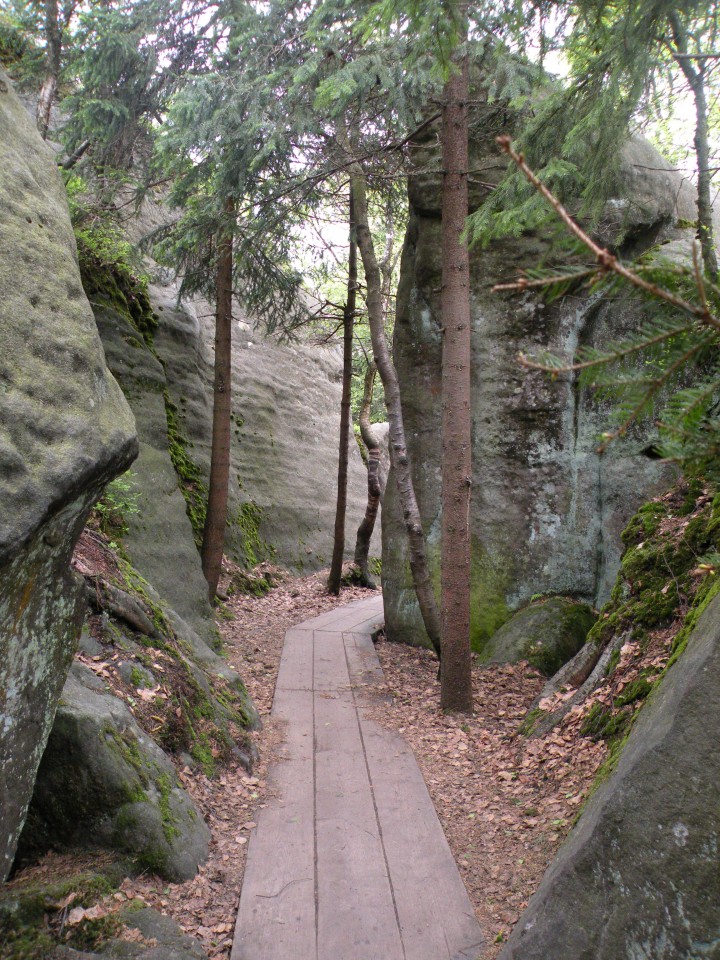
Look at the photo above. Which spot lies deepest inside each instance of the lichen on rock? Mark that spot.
(65, 431)
(547, 511)
(102, 781)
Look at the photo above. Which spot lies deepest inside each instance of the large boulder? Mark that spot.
(160, 540)
(638, 877)
(65, 430)
(546, 634)
(104, 782)
(547, 509)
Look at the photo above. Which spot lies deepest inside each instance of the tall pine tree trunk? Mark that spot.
(348, 324)
(367, 525)
(53, 51)
(213, 543)
(456, 676)
(398, 446)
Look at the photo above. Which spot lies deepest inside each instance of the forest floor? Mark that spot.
(505, 801)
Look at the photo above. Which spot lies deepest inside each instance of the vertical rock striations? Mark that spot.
(547, 511)
(65, 430)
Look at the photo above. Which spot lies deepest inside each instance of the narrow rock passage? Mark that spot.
(348, 861)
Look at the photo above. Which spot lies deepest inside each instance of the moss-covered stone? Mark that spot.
(65, 431)
(547, 634)
(103, 782)
(640, 866)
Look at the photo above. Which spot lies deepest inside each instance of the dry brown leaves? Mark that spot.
(505, 801)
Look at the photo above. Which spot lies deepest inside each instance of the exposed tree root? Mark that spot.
(585, 671)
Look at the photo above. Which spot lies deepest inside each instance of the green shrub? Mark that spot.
(118, 503)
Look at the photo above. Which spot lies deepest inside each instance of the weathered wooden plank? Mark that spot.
(356, 914)
(364, 666)
(276, 918)
(437, 920)
(296, 664)
(349, 863)
(351, 616)
(329, 668)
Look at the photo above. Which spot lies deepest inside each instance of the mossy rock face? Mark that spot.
(546, 634)
(546, 510)
(104, 782)
(65, 431)
(640, 868)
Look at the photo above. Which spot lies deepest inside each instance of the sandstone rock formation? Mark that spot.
(160, 539)
(285, 432)
(546, 634)
(286, 406)
(103, 782)
(65, 430)
(547, 511)
(638, 877)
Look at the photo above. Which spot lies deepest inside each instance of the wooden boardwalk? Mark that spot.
(349, 862)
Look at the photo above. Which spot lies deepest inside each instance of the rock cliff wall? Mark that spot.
(637, 878)
(547, 511)
(286, 412)
(65, 430)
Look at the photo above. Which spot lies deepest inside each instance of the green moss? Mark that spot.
(531, 721)
(109, 280)
(657, 585)
(190, 479)
(165, 786)
(609, 764)
(637, 690)
(126, 745)
(247, 520)
(603, 723)
(138, 678)
(645, 522)
(489, 610)
(708, 590)
(90, 934)
(25, 909)
(201, 751)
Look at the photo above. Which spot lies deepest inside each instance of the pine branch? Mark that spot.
(607, 262)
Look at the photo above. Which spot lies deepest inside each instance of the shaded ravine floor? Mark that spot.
(348, 861)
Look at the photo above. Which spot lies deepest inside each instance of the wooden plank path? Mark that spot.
(349, 861)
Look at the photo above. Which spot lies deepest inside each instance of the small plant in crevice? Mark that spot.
(111, 270)
(117, 504)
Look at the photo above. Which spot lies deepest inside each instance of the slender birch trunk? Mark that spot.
(53, 51)
(367, 525)
(695, 76)
(333, 583)
(398, 446)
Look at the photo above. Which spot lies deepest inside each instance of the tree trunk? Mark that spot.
(213, 542)
(456, 675)
(365, 530)
(398, 446)
(695, 77)
(53, 49)
(333, 583)
(705, 232)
